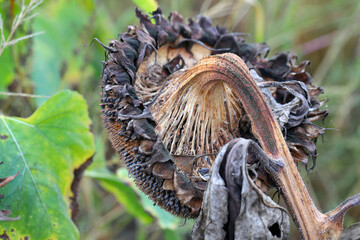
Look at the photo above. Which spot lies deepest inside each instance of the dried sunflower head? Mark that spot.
(167, 123)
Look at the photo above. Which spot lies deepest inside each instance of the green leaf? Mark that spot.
(166, 220)
(171, 235)
(123, 193)
(146, 5)
(45, 148)
(99, 161)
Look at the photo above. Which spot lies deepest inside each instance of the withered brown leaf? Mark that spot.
(233, 206)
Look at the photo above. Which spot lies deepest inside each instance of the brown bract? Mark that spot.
(175, 93)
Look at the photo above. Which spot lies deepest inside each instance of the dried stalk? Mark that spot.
(311, 222)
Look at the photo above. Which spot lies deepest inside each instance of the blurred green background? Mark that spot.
(325, 32)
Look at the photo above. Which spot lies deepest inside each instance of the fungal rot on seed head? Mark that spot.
(174, 94)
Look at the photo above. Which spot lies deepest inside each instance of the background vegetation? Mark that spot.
(325, 32)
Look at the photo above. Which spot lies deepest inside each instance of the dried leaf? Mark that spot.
(233, 206)
(4, 181)
(4, 216)
(351, 233)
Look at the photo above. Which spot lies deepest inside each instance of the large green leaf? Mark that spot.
(45, 148)
(123, 193)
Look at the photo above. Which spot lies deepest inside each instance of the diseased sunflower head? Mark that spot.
(197, 117)
(163, 93)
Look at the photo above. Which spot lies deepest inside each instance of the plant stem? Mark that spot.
(25, 10)
(311, 223)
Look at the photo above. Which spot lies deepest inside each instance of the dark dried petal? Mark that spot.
(163, 170)
(125, 56)
(166, 32)
(141, 129)
(147, 45)
(178, 24)
(174, 65)
(146, 147)
(276, 68)
(299, 138)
